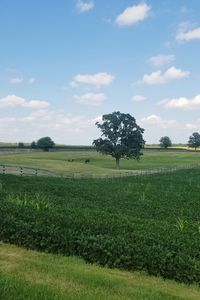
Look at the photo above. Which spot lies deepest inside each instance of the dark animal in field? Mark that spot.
(87, 161)
(70, 160)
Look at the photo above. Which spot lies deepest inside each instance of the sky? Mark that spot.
(63, 64)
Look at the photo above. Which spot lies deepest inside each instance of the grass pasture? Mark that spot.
(29, 275)
(57, 162)
(149, 223)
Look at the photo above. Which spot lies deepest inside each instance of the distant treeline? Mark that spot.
(55, 148)
(171, 149)
(15, 147)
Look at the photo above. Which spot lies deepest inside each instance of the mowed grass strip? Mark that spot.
(32, 275)
(57, 162)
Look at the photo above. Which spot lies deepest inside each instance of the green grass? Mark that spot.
(57, 161)
(32, 275)
(149, 223)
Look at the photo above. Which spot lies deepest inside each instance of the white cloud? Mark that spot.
(13, 101)
(133, 14)
(154, 120)
(93, 99)
(160, 60)
(159, 77)
(182, 103)
(16, 80)
(98, 79)
(138, 98)
(189, 35)
(36, 104)
(31, 80)
(193, 126)
(83, 6)
(41, 114)
(61, 126)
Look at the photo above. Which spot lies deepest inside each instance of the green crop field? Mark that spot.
(29, 275)
(149, 223)
(57, 162)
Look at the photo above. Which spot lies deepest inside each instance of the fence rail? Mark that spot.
(160, 170)
(28, 171)
(24, 171)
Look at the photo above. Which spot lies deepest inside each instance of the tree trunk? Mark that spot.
(117, 163)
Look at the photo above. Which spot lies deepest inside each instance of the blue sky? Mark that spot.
(65, 63)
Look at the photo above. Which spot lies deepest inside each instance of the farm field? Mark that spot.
(57, 163)
(148, 223)
(28, 275)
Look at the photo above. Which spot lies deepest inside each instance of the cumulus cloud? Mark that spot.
(182, 103)
(154, 120)
(160, 77)
(93, 99)
(13, 101)
(133, 14)
(98, 79)
(138, 98)
(83, 6)
(160, 60)
(188, 35)
(16, 80)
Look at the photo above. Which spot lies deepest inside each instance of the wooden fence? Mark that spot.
(23, 171)
(160, 170)
(27, 171)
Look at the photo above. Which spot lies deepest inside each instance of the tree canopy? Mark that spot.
(33, 145)
(121, 137)
(194, 140)
(165, 142)
(45, 143)
(21, 145)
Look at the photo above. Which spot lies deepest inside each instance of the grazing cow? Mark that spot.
(87, 161)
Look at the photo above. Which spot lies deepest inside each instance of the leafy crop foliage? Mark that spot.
(148, 223)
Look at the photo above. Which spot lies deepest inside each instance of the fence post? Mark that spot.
(4, 169)
(21, 171)
(36, 172)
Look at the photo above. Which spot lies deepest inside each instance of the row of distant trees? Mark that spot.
(44, 143)
(193, 142)
(121, 137)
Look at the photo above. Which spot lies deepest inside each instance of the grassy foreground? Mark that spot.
(57, 162)
(32, 275)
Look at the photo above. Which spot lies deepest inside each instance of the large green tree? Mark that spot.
(121, 137)
(165, 142)
(45, 143)
(194, 140)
